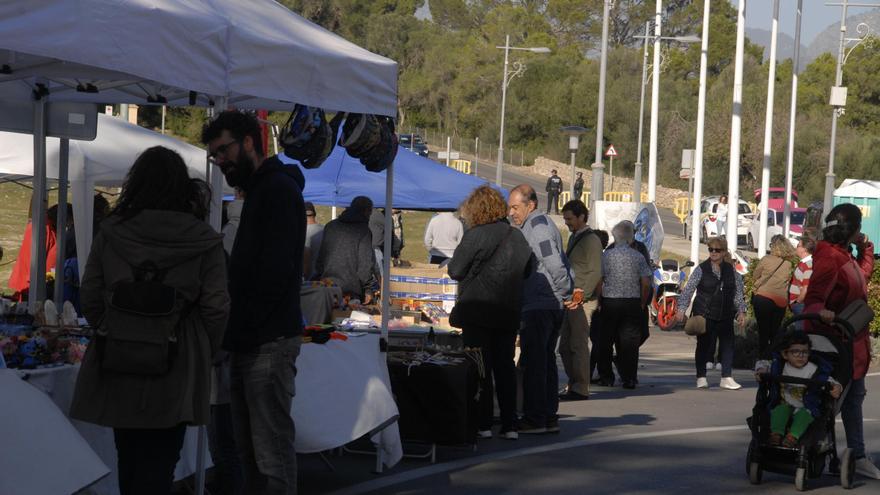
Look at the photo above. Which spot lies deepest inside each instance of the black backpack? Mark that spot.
(139, 331)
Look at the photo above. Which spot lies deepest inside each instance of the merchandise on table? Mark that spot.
(43, 347)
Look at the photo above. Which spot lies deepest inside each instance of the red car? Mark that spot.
(776, 201)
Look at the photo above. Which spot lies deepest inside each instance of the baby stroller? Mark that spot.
(807, 459)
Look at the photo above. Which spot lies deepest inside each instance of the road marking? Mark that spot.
(445, 467)
(873, 374)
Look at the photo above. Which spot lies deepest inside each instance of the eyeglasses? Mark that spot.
(221, 150)
(716, 250)
(799, 352)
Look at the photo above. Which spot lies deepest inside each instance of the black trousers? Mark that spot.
(621, 328)
(497, 347)
(553, 202)
(769, 317)
(146, 459)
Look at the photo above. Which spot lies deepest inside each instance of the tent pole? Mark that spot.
(37, 290)
(386, 256)
(61, 227)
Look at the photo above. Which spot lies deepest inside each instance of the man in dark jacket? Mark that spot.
(579, 186)
(554, 188)
(346, 255)
(265, 275)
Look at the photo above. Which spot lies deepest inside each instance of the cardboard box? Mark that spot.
(421, 281)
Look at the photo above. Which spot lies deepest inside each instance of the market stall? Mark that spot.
(343, 393)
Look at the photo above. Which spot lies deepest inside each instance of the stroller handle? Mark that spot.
(844, 325)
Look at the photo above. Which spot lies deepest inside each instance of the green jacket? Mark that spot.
(585, 256)
(194, 251)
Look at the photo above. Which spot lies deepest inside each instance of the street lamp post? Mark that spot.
(768, 135)
(518, 69)
(637, 173)
(792, 120)
(597, 186)
(838, 93)
(701, 124)
(574, 133)
(655, 104)
(736, 129)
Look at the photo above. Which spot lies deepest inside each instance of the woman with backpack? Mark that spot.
(491, 264)
(772, 278)
(154, 291)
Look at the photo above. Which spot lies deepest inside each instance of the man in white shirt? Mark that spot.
(442, 236)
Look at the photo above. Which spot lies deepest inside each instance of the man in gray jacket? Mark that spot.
(546, 288)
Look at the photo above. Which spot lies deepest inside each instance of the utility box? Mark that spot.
(838, 96)
(866, 195)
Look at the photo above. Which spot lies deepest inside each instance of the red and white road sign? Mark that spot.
(611, 151)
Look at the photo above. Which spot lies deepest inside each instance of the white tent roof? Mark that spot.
(256, 53)
(102, 162)
(859, 188)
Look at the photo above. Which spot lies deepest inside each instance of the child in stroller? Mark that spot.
(793, 401)
(815, 367)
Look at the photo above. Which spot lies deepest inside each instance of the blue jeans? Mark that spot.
(723, 331)
(262, 393)
(851, 413)
(538, 333)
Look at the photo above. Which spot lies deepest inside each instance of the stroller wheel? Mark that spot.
(800, 479)
(847, 468)
(755, 473)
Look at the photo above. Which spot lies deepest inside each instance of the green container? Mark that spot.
(866, 195)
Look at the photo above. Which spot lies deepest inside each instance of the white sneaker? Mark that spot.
(484, 434)
(718, 366)
(729, 384)
(702, 382)
(709, 366)
(510, 435)
(865, 466)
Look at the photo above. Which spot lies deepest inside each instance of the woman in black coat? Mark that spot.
(491, 264)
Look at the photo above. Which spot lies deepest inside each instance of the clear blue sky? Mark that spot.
(816, 16)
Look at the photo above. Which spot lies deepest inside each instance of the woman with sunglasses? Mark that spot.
(838, 280)
(719, 298)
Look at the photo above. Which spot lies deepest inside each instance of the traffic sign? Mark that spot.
(453, 155)
(611, 151)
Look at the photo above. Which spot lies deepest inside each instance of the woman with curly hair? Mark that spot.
(490, 265)
(771, 278)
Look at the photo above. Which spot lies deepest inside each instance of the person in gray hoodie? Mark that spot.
(346, 256)
(546, 288)
(158, 221)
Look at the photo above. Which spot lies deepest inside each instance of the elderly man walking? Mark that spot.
(625, 291)
(584, 252)
(546, 288)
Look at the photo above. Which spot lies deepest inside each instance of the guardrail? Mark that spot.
(682, 208)
(565, 196)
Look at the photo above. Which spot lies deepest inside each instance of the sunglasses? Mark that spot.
(716, 250)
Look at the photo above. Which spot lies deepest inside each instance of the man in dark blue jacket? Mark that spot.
(265, 323)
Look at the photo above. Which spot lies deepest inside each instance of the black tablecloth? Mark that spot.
(437, 403)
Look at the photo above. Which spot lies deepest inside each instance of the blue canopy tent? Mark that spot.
(419, 183)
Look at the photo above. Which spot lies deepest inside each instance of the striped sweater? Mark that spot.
(800, 280)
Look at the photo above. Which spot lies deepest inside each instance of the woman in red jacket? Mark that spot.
(839, 279)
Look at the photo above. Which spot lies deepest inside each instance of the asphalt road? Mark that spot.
(663, 437)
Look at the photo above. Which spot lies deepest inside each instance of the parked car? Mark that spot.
(414, 143)
(776, 198)
(775, 223)
(708, 220)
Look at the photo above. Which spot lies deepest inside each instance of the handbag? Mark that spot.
(455, 316)
(858, 314)
(695, 325)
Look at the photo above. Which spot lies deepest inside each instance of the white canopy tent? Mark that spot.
(102, 162)
(257, 54)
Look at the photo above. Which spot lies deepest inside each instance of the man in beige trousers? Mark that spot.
(584, 253)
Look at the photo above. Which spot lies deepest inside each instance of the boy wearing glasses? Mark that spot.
(795, 402)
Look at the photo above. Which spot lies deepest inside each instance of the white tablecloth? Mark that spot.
(342, 393)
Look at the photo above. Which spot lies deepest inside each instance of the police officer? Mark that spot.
(554, 187)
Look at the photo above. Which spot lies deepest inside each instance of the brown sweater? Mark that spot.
(772, 277)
